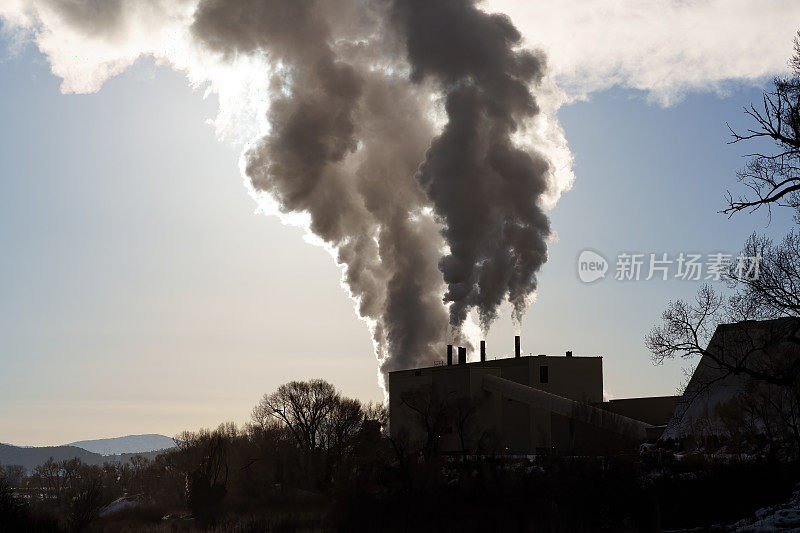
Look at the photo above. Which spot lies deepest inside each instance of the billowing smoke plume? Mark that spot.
(402, 129)
(345, 141)
(485, 189)
(322, 157)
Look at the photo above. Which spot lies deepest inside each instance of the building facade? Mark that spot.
(517, 405)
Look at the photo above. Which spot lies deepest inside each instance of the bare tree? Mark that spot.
(464, 410)
(326, 426)
(688, 330)
(49, 477)
(432, 413)
(378, 413)
(13, 509)
(86, 494)
(342, 426)
(756, 350)
(763, 419)
(773, 179)
(13, 474)
(206, 459)
(759, 358)
(303, 406)
(775, 291)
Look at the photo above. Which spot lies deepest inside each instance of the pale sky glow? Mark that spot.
(145, 292)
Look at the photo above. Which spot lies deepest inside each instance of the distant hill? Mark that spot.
(32, 457)
(128, 444)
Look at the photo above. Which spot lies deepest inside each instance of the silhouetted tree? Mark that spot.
(687, 329)
(773, 178)
(327, 427)
(13, 474)
(769, 291)
(432, 413)
(13, 511)
(775, 291)
(86, 493)
(303, 406)
(50, 478)
(208, 469)
(762, 419)
(464, 411)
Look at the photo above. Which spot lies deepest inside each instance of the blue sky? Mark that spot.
(142, 294)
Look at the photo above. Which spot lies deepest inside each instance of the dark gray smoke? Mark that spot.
(352, 143)
(484, 188)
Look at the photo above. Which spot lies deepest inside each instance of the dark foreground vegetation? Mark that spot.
(313, 460)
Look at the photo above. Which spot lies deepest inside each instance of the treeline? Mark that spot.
(312, 459)
(305, 440)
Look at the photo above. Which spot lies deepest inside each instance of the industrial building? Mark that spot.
(519, 405)
(768, 347)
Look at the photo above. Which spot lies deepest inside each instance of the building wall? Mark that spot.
(656, 410)
(402, 421)
(506, 426)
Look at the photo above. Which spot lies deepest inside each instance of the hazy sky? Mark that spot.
(143, 294)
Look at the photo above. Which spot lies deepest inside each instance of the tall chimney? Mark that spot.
(449, 354)
(483, 350)
(462, 355)
(516, 345)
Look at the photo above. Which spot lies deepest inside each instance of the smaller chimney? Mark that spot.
(483, 350)
(462, 355)
(449, 354)
(569, 353)
(516, 345)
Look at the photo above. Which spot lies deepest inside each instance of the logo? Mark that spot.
(591, 266)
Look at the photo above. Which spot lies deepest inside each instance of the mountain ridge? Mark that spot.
(30, 458)
(143, 443)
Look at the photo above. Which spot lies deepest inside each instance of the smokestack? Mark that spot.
(449, 354)
(462, 355)
(516, 345)
(569, 353)
(483, 350)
